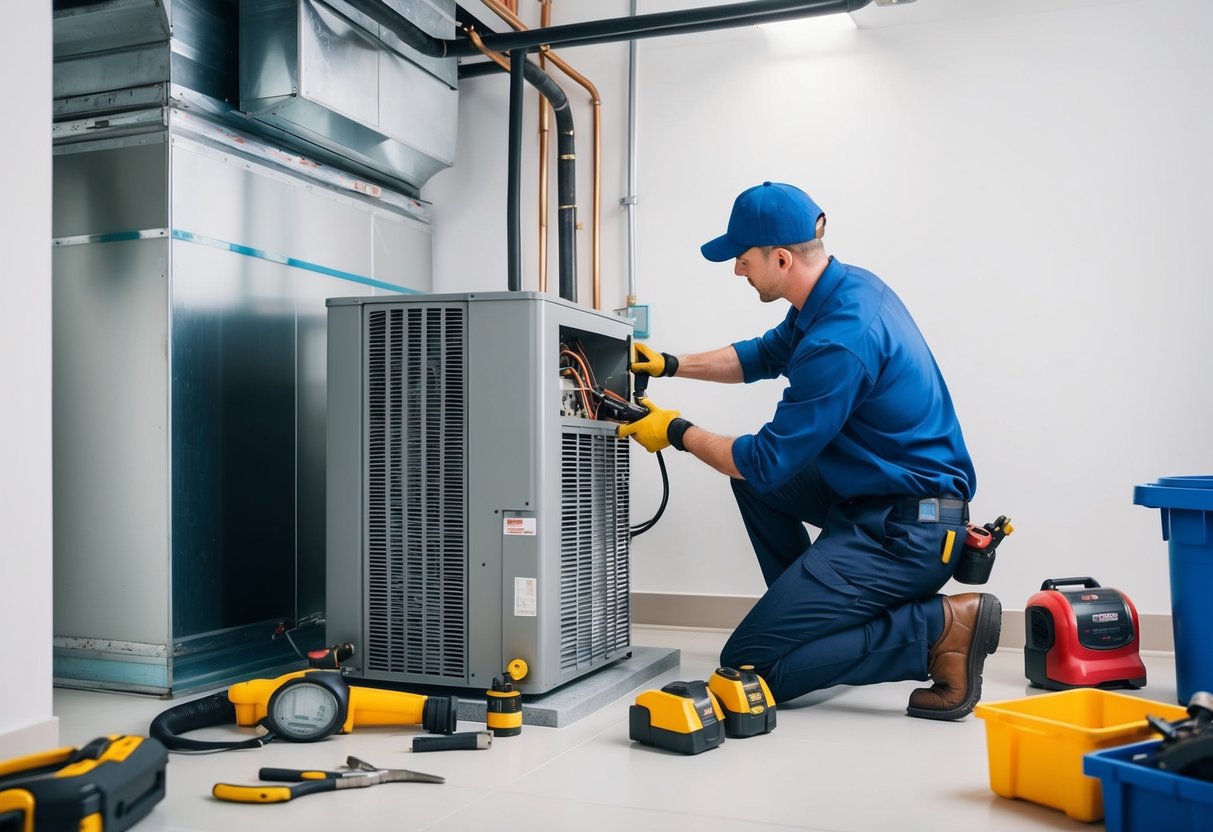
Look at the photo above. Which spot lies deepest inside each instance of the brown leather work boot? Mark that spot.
(971, 625)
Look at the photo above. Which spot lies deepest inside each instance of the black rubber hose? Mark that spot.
(216, 709)
(665, 498)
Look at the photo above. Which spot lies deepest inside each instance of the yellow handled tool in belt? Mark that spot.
(359, 774)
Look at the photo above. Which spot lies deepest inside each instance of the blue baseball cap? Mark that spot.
(770, 214)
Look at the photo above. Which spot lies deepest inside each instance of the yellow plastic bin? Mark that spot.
(1036, 744)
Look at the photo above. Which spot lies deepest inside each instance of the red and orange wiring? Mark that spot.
(579, 370)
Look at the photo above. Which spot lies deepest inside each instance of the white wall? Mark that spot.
(26, 723)
(1032, 178)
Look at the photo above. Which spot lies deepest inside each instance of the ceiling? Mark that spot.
(916, 12)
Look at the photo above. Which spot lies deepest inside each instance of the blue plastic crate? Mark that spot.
(1187, 526)
(1138, 798)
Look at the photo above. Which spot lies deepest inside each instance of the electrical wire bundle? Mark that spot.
(594, 397)
(574, 365)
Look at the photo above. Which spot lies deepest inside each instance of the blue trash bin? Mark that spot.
(1187, 526)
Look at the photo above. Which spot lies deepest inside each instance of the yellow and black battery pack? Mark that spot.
(105, 786)
(682, 716)
(749, 708)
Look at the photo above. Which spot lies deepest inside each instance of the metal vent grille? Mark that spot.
(595, 611)
(416, 497)
(1040, 629)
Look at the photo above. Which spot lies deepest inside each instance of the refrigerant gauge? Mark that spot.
(308, 708)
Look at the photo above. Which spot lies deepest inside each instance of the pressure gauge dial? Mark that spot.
(309, 708)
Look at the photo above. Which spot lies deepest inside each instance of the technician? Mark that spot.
(866, 447)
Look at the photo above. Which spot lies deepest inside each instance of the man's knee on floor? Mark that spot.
(737, 655)
(770, 674)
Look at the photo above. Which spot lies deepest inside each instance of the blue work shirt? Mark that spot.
(865, 399)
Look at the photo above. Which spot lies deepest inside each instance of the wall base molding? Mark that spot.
(30, 739)
(724, 612)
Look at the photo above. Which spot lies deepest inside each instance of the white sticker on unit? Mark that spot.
(525, 592)
(518, 525)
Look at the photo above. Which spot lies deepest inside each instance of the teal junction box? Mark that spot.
(1187, 526)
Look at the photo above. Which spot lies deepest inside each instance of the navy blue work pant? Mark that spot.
(850, 608)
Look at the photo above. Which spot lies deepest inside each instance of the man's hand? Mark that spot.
(653, 430)
(653, 363)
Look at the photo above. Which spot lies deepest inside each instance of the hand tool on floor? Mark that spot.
(1081, 637)
(682, 716)
(745, 699)
(107, 785)
(358, 774)
(464, 741)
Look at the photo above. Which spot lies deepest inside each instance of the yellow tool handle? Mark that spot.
(43, 759)
(271, 794)
(251, 698)
(21, 804)
(372, 706)
(251, 794)
(294, 775)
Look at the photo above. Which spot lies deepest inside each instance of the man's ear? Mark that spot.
(784, 257)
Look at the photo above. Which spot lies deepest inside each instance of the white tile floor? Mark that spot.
(847, 760)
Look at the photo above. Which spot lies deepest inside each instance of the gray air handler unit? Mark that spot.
(476, 512)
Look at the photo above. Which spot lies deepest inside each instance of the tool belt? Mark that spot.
(107, 786)
(949, 510)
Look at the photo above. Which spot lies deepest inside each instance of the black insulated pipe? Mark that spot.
(513, 213)
(566, 170)
(566, 192)
(478, 69)
(610, 30)
(658, 24)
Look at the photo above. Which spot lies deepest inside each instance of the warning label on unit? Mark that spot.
(518, 525)
(524, 596)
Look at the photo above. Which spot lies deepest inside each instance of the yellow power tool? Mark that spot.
(682, 716)
(749, 708)
(105, 786)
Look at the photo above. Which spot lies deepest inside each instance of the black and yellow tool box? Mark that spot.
(745, 699)
(682, 716)
(105, 786)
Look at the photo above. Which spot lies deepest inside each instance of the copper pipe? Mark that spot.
(596, 102)
(497, 58)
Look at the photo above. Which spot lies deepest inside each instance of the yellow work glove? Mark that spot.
(654, 432)
(647, 360)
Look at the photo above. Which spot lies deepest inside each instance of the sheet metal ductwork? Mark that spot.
(193, 250)
(331, 76)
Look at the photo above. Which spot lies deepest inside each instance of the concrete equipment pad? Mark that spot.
(579, 698)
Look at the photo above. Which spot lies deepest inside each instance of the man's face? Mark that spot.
(761, 269)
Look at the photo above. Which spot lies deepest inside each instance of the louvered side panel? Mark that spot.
(595, 612)
(416, 480)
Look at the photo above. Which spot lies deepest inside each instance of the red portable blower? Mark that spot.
(1081, 638)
